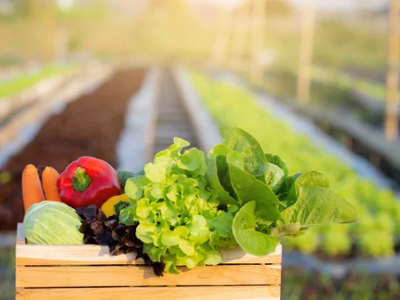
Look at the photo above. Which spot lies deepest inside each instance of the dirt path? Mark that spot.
(91, 125)
(173, 119)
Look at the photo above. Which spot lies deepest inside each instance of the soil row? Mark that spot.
(91, 125)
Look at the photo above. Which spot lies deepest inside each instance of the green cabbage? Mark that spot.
(52, 223)
(177, 211)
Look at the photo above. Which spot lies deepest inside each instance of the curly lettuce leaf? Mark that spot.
(177, 210)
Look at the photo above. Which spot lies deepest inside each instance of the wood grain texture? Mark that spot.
(238, 256)
(70, 255)
(108, 276)
(50, 255)
(153, 293)
(100, 255)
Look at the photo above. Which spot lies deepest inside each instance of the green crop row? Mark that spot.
(378, 226)
(300, 284)
(24, 81)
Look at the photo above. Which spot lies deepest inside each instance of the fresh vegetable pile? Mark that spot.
(186, 206)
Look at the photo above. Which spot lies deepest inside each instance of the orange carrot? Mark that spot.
(49, 180)
(31, 186)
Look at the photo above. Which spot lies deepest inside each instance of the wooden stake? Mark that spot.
(306, 49)
(239, 37)
(257, 39)
(222, 39)
(392, 77)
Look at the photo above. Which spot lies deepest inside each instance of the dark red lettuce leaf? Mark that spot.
(121, 239)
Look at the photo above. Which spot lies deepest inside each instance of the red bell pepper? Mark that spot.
(86, 181)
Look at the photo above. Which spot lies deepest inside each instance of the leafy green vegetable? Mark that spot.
(248, 188)
(274, 177)
(286, 230)
(276, 160)
(123, 176)
(217, 167)
(252, 241)
(187, 206)
(316, 206)
(242, 142)
(236, 175)
(311, 178)
(52, 223)
(177, 210)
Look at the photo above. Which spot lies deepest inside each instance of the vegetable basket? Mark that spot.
(89, 272)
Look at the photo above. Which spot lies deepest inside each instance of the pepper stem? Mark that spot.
(81, 180)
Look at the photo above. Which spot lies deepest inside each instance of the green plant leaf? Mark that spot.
(193, 160)
(274, 177)
(311, 178)
(242, 142)
(215, 168)
(287, 192)
(248, 188)
(251, 241)
(316, 205)
(276, 160)
(286, 229)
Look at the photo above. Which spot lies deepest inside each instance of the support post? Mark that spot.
(392, 77)
(306, 49)
(257, 39)
(220, 51)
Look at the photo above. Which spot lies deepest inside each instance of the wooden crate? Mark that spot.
(90, 272)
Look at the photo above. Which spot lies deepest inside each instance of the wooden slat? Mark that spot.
(99, 255)
(154, 293)
(70, 255)
(108, 276)
(238, 256)
(44, 255)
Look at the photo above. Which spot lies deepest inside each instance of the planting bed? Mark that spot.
(90, 125)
